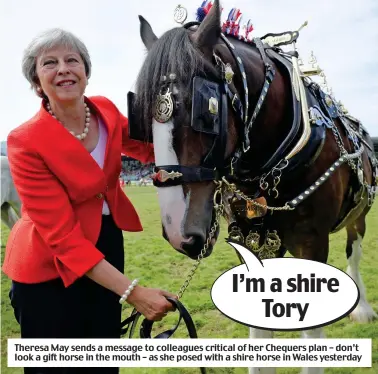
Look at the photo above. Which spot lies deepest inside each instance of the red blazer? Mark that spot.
(62, 190)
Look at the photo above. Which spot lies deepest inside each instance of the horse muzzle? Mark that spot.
(195, 241)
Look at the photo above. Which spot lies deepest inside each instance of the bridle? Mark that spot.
(209, 115)
(212, 121)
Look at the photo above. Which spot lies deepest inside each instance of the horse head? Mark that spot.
(185, 98)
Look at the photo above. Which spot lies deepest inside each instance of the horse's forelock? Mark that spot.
(174, 53)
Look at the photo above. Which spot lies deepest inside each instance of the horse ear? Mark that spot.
(208, 32)
(146, 33)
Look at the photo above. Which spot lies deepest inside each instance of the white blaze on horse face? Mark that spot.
(171, 199)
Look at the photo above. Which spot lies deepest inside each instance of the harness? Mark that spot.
(209, 114)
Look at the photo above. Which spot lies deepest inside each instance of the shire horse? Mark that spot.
(189, 102)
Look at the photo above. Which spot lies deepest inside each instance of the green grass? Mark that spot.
(150, 258)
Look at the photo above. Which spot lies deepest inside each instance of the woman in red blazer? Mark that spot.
(65, 255)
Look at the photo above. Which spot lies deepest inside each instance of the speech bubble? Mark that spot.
(284, 294)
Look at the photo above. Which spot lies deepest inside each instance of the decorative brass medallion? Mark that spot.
(269, 249)
(253, 210)
(228, 73)
(213, 105)
(180, 14)
(271, 246)
(252, 241)
(236, 234)
(164, 107)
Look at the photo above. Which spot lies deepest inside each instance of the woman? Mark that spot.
(65, 256)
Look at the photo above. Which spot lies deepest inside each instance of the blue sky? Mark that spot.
(342, 34)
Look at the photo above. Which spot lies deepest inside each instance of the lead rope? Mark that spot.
(218, 207)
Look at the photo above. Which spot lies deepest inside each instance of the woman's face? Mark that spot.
(61, 74)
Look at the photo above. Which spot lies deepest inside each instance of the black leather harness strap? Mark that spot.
(185, 174)
(146, 326)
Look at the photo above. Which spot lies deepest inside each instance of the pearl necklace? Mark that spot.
(83, 135)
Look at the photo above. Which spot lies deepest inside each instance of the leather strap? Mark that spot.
(190, 174)
(146, 326)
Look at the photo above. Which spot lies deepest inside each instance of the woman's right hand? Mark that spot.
(151, 302)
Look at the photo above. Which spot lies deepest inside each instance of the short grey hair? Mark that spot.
(47, 40)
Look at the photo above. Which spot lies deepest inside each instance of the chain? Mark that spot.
(233, 189)
(218, 213)
(218, 207)
(343, 151)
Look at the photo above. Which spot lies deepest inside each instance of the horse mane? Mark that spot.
(173, 52)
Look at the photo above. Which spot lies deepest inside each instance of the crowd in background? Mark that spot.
(133, 170)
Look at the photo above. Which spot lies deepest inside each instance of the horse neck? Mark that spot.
(274, 120)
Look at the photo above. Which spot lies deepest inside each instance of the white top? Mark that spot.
(99, 155)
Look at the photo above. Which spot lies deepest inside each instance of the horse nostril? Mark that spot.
(194, 245)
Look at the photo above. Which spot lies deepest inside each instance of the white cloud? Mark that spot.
(343, 36)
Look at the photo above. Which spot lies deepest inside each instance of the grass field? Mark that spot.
(150, 258)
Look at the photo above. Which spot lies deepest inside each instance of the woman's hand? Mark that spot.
(151, 302)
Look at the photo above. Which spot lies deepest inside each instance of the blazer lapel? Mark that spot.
(68, 159)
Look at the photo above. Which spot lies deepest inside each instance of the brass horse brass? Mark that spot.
(164, 107)
(213, 105)
(269, 249)
(254, 211)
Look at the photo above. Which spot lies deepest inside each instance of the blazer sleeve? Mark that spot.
(48, 206)
(144, 152)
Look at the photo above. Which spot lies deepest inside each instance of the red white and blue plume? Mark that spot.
(232, 26)
(203, 10)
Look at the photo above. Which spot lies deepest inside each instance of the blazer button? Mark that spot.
(100, 195)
